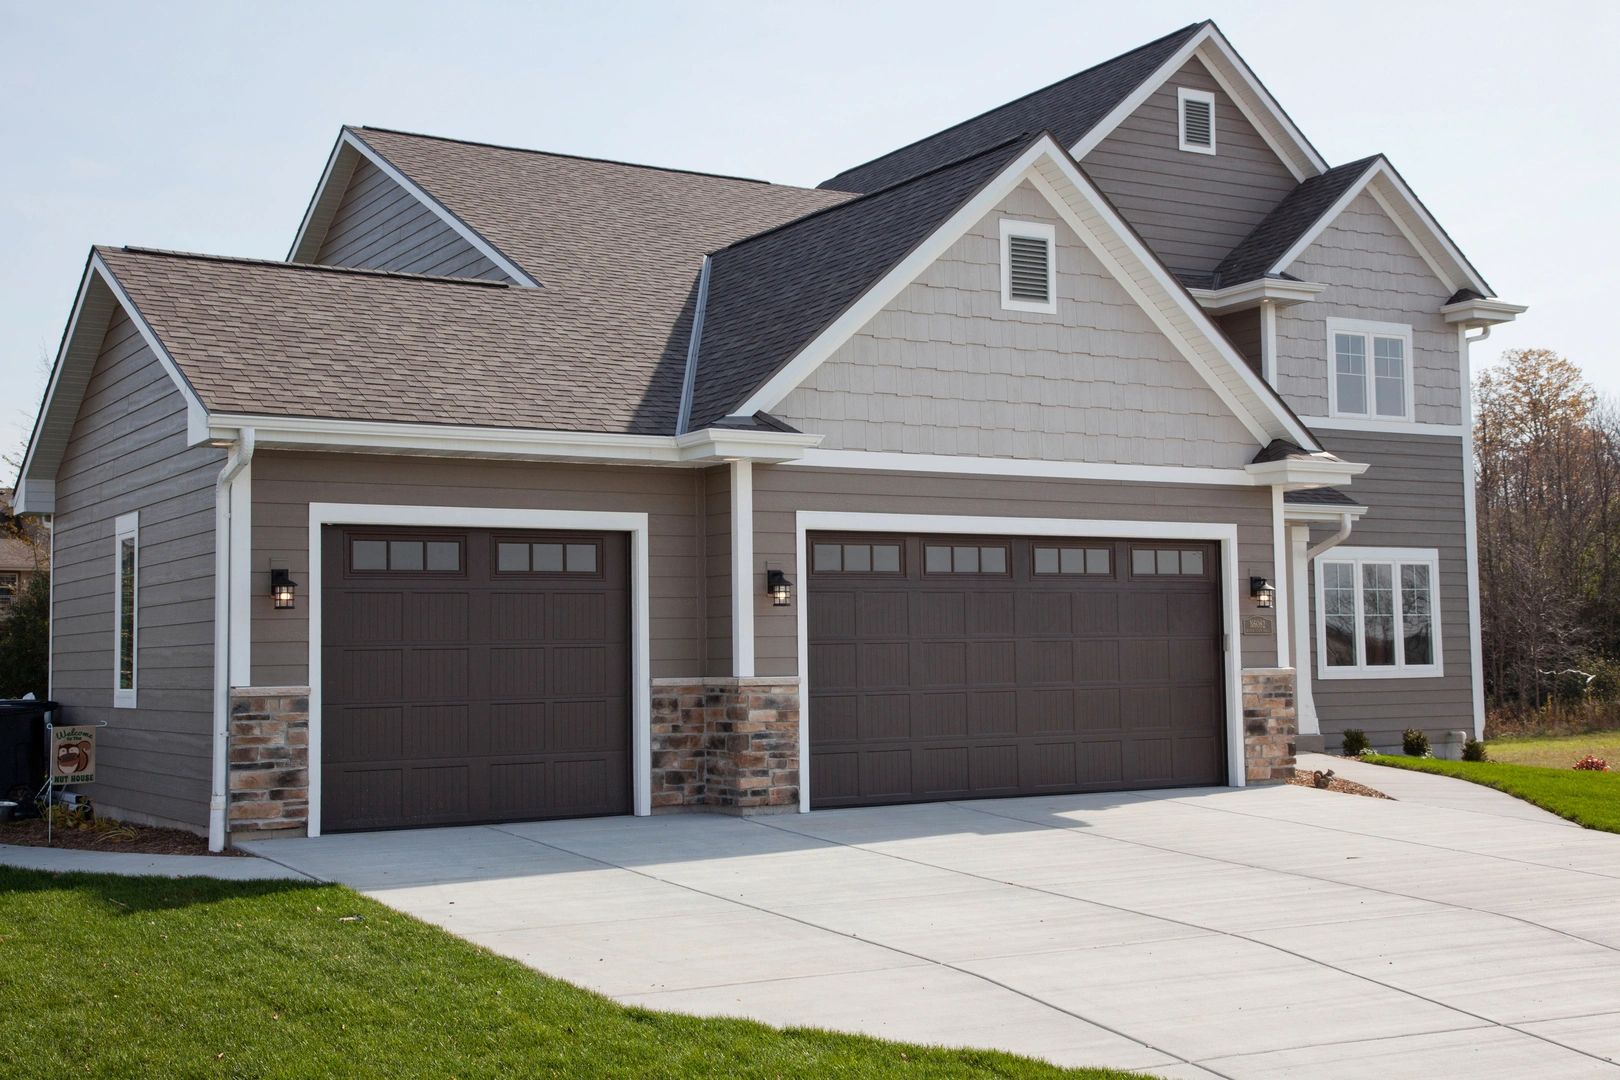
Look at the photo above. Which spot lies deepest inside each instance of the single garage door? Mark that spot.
(472, 676)
(969, 667)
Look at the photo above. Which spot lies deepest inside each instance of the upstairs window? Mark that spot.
(1369, 370)
(126, 608)
(1378, 613)
(1028, 266)
(1197, 109)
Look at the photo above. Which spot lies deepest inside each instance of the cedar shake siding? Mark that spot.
(943, 369)
(284, 484)
(128, 454)
(381, 226)
(1372, 273)
(1190, 208)
(780, 491)
(1414, 492)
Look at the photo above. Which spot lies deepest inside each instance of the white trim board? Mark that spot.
(1401, 427)
(742, 569)
(1226, 534)
(894, 461)
(470, 517)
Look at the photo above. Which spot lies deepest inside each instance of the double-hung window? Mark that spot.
(126, 609)
(1369, 369)
(1378, 613)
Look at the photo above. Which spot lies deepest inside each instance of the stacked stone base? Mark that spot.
(730, 745)
(1270, 724)
(269, 758)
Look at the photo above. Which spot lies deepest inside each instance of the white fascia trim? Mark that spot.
(466, 232)
(465, 517)
(1183, 95)
(742, 569)
(196, 414)
(1401, 427)
(1226, 534)
(885, 461)
(448, 440)
(1429, 557)
(1323, 515)
(332, 159)
(1250, 294)
(1298, 472)
(1472, 314)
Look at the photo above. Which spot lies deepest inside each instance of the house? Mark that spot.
(24, 552)
(1110, 439)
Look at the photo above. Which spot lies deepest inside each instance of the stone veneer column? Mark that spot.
(269, 758)
(726, 744)
(1269, 724)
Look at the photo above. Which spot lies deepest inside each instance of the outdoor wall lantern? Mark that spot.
(779, 587)
(282, 589)
(1262, 591)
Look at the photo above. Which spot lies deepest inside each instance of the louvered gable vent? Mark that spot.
(1029, 269)
(1197, 121)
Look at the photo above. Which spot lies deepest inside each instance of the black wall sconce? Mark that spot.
(779, 588)
(1262, 592)
(282, 589)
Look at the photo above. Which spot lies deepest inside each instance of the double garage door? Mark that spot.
(970, 667)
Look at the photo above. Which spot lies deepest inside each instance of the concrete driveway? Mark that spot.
(1240, 933)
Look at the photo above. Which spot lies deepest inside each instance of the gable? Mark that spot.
(378, 225)
(1374, 273)
(1191, 209)
(942, 369)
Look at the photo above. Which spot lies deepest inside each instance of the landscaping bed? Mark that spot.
(1306, 778)
(195, 977)
(108, 836)
(1591, 799)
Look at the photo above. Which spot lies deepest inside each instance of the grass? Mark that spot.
(1556, 751)
(1591, 799)
(119, 977)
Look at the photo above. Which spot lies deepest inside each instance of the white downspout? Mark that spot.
(1304, 697)
(1345, 523)
(241, 453)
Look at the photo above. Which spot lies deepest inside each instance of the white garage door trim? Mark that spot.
(479, 517)
(1226, 534)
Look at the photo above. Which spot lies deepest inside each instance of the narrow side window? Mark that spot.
(126, 609)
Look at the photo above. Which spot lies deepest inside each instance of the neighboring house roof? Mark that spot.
(1256, 255)
(1068, 108)
(18, 556)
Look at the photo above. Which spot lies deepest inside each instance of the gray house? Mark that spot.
(1110, 439)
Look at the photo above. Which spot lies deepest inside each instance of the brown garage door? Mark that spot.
(968, 667)
(473, 676)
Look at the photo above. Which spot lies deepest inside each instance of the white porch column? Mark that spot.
(742, 569)
(1279, 573)
(1304, 703)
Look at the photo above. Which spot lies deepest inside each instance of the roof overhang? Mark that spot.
(1304, 514)
(1474, 314)
(1247, 92)
(1283, 292)
(1305, 471)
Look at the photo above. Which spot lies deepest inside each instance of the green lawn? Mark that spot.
(1591, 799)
(123, 977)
(1556, 751)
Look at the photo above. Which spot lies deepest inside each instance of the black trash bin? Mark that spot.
(22, 750)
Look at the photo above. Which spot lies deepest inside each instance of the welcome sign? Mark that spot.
(73, 755)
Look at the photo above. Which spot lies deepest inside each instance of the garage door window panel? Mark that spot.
(390, 555)
(547, 557)
(857, 557)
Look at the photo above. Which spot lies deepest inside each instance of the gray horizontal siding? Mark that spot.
(943, 369)
(284, 484)
(1191, 209)
(381, 226)
(1373, 273)
(1414, 492)
(780, 491)
(128, 453)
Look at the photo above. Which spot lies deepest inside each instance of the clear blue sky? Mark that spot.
(205, 126)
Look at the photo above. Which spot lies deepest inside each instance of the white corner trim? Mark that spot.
(1279, 574)
(1268, 342)
(742, 569)
(126, 527)
(1401, 427)
(241, 579)
(893, 461)
(1368, 330)
(1476, 651)
(1185, 94)
(1299, 541)
(1359, 557)
(472, 517)
(1226, 534)
(1033, 230)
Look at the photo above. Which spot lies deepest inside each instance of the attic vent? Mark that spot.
(1197, 121)
(1026, 266)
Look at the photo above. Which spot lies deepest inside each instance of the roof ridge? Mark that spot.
(576, 157)
(1024, 136)
(1188, 29)
(279, 264)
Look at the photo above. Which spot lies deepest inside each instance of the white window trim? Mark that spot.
(1011, 228)
(1183, 95)
(1369, 330)
(1359, 556)
(126, 527)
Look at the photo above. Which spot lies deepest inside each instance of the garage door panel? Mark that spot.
(1079, 678)
(505, 694)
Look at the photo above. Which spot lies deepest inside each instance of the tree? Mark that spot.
(25, 641)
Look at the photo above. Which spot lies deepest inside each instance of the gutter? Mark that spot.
(1346, 522)
(241, 453)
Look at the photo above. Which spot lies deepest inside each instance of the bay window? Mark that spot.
(1378, 613)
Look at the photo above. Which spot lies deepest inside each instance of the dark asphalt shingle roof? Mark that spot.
(1323, 496)
(771, 294)
(1068, 108)
(1292, 218)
